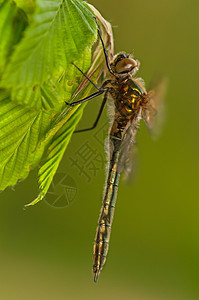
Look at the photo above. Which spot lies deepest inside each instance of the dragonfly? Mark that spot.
(131, 102)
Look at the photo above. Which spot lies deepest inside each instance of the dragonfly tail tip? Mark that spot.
(96, 276)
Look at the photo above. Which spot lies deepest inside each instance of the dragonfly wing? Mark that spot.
(131, 164)
(128, 148)
(153, 111)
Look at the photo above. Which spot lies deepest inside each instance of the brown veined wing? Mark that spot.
(154, 111)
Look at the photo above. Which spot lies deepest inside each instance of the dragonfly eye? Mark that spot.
(125, 65)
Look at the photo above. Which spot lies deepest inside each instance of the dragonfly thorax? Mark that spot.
(128, 97)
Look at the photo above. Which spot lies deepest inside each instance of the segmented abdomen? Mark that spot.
(106, 215)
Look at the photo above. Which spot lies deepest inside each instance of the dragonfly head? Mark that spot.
(124, 64)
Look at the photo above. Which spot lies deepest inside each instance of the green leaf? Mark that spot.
(55, 153)
(21, 149)
(17, 147)
(51, 94)
(60, 134)
(65, 123)
(37, 80)
(28, 6)
(60, 32)
(13, 21)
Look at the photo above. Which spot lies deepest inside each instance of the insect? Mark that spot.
(131, 103)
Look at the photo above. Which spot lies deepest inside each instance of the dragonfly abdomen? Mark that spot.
(106, 217)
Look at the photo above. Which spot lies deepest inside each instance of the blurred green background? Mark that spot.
(46, 251)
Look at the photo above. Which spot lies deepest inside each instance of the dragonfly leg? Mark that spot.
(98, 116)
(86, 99)
(102, 89)
(87, 77)
(105, 51)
